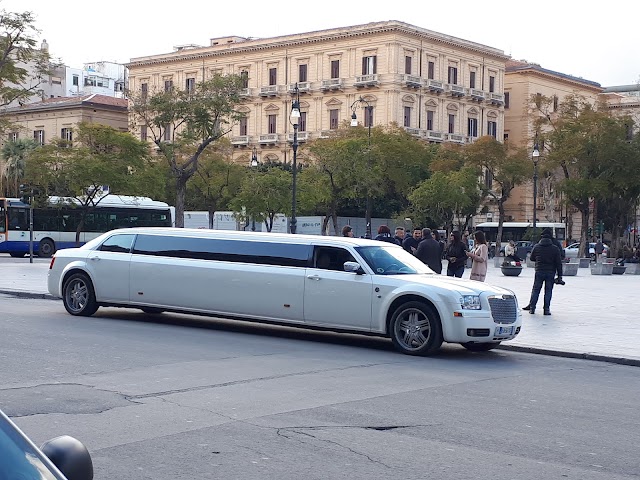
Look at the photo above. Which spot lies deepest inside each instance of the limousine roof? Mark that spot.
(252, 236)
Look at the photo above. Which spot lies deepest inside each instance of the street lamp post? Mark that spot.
(295, 120)
(535, 155)
(254, 164)
(354, 123)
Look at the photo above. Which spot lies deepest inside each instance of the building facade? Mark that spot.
(439, 88)
(103, 78)
(525, 81)
(57, 117)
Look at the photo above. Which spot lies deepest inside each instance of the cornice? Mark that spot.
(533, 70)
(319, 37)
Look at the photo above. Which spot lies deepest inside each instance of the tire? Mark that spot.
(17, 254)
(152, 311)
(78, 295)
(415, 329)
(480, 347)
(46, 248)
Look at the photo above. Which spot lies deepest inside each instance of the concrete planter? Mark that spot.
(570, 269)
(584, 262)
(618, 270)
(511, 271)
(632, 268)
(602, 269)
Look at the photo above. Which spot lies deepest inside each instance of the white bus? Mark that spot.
(55, 227)
(516, 230)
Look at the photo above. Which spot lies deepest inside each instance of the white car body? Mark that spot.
(572, 250)
(234, 281)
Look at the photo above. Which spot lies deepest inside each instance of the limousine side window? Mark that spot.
(331, 258)
(239, 251)
(118, 243)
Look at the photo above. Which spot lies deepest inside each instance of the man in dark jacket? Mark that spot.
(410, 244)
(548, 263)
(429, 251)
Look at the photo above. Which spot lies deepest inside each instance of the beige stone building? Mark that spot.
(440, 88)
(56, 117)
(523, 81)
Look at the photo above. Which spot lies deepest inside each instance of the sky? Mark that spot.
(592, 40)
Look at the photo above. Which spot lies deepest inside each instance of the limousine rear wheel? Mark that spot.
(415, 329)
(78, 295)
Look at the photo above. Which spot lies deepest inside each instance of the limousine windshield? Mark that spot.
(389, 260)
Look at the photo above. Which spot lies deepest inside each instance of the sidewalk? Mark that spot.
(593, 316)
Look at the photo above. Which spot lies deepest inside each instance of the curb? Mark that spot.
(24, 294)
(633, 362)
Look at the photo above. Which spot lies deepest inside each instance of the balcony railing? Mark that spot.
(416, 132)
(366, 81)
(244, 92)
(303, 87)
(476, 94)
(412, 81)
(327, 133)
(455, 90)
(456, 138)
(268, 138)
(269, 91)
(496, 98)
(241, 140)
(435, 86)
(434, 136)
(302, 136)
(332, 84)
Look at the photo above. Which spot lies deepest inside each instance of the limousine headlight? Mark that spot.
(470, 302)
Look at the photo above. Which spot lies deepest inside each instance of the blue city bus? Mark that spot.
(55, 227)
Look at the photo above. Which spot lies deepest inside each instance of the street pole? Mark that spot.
(31, 228)
(354, 123)
(535, 155)
(295, 120)
(254, 164)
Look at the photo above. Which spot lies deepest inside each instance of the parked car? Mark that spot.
(21, 459)
(572, 250)
(333, 283)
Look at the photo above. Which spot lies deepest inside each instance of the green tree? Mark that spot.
(101, 156)
(507, 168)
(15, 155)
(263, 195)
(183, 123)
(217, 180)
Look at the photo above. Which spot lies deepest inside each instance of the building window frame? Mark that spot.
(302, 72)
(492, 128)
(334, 118)
(430, 117)
(244, 125)
(369, 65)
(408, 59)
(452, 75)
(335, 69)
(431, 70)
(272, 123)
(38, 136)
(452, 123)
(273, 75)
(472, 127)
(406, 117)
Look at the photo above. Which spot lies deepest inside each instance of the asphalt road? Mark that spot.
(179, 397)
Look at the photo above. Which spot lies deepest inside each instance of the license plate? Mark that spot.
(501, 331)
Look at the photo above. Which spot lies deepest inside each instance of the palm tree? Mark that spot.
(15, 155)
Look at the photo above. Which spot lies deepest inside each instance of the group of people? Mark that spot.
(427, 246)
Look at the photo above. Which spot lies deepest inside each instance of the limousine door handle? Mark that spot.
(314, 277)
(95, 257)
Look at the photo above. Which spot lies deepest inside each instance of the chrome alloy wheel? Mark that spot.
(77, 295)
(412, 329)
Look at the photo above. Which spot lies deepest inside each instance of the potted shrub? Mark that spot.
(511, 268)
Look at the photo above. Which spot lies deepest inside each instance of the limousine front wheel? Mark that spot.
(78, 295)
(415, 329)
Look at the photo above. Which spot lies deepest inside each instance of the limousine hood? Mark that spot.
(463, 286)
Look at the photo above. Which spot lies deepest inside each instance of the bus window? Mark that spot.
(18, 219)
(3, 219)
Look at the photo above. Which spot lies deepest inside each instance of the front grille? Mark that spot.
(503, 308)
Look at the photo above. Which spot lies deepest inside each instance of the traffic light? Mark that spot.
(600, 227)
(25, 194)
(589, 231)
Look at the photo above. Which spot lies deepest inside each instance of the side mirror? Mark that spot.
(70, 456)
(353, 267)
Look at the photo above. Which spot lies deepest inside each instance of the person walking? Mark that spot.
(384, 235)
(479, 256)
(599, 249)
(547, 260)
(456, 253)
(347, 231)
(438, 238)
(410, 244)
(429, 251)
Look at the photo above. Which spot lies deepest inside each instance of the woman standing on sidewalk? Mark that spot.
(479, 255)
(457, 255)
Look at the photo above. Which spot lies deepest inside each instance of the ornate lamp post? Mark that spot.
(354, 123)
(254, 164)
(295, 120)
(535, 155)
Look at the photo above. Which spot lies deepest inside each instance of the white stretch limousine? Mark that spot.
(335, 283)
